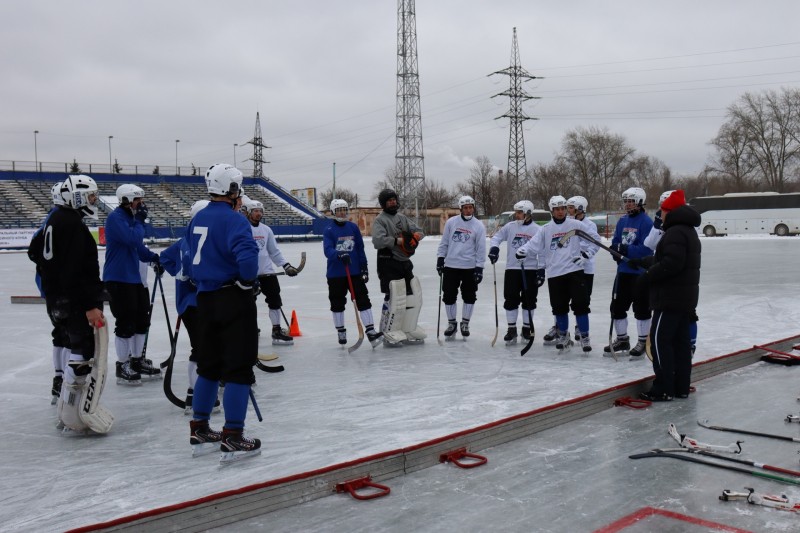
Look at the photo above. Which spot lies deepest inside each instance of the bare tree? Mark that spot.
(734, 159)
(652, 175)
(547, 180)
(437, 195)
(481, 185)
(347, 195)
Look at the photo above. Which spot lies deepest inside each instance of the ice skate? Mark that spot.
(465, 329)
(342, 334)
(145, 368)
(586, 344)
(526, 332)
(563, 342)
(637, 352)
(550, 337)
(374, 337)
(577, 335)
(279, 337)
(235, 446)
(202, 438)
(450, 332)
(126, 375)
(55, 391)
(621, 344)
(511, 335)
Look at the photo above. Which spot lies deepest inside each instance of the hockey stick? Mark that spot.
(530, 315)
(496, 317)
(354, 347)
(150, 315)
(255, 405)
(706, 424)
(692, 459)
(611, 325)
(177, 402)
(781, 502)
(439, 317)
(269, 369)
(166, 311)
(582, 234)
(731, 459)
(299, 267)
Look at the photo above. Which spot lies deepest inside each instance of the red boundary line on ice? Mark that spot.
(400, 451)
(646, 512)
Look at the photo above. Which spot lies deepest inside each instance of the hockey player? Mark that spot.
(71, 283)
(651, 242)
(396, 238)
(673, 277)
(223, 263)
(564, 264)
(269, 253)
(460, 260)
(344, 247)
(517, 233)
(628, 240)
(61, 349)
(129, 297)
(577, 207)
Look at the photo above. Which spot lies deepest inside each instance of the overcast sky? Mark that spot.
(322, 75)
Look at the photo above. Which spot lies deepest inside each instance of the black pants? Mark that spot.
(513, 292)
(569, 292)
(227, 336)
(339, 293)
(130, 305)
(672, 352)
(390, 269)
(72, 321)
(189, 319)
(452, 279)
(627, 294)
(271, 289)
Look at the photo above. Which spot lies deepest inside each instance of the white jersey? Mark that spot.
(516, 234)
(558, 261)
(268, 251)
(463, 243)
(591, 228)
(651, 241)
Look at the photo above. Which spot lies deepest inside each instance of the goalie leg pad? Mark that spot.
(393, 330)
(413, 306)
(68, 406)
(90, 412)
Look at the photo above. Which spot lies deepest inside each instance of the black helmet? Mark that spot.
(385, 195)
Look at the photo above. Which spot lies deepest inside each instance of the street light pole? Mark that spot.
(234, 153)
(110, 168)
(177, 170)
(36, 149)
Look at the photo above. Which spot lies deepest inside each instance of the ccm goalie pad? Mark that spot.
(392, 319)
(414, 333)
(79, 406)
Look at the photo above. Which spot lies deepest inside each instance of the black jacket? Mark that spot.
(674, 276)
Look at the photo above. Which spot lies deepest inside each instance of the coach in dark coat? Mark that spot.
(674, 283)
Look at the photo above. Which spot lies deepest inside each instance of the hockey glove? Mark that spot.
(141, 214)
(540, 277)
(478, 275)
(440, 265)
(290, 270)
(658, 221)
(344, 257)
(249, 285)
(494, 254)
(365, 276)
(409, 243)
(521, 254)
(157, 267)
(620, 248)
(581, 260)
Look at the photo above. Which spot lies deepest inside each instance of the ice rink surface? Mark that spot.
(330, 406)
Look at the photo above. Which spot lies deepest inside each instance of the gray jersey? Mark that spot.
(387, 228)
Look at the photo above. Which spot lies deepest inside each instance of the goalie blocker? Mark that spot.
(79, 406)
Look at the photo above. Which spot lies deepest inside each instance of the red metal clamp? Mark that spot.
(633, 403)
(455, 457)
(360, 483)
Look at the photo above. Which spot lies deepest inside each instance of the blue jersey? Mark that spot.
(632, 231)
(343, 238)
(221, 248)
(125, 248)
(172, 261)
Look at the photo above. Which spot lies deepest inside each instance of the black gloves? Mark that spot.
(540, 277)
(478, 275)
(157, 267)
(365, 276)
(344, 257)
(251, 285)
(440, 265)
(658, 221)
(494, 254)
(620, 248)
(141, 214)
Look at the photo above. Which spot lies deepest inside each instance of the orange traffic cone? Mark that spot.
(294, 328)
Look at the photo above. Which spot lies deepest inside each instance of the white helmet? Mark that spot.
(76, 191)
(337, 205)
(579, 203)
(466, 200)
(128, 192)
(557, 201)
(198, 206)
(224, 180)
(55, 192)
(636, 194)
(664, 196)
(251, 204)
(526, 206)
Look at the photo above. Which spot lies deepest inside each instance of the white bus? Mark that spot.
(751, 212)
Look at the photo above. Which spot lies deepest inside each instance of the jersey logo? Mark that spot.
(345, 244)
(461, 235)
(629, 236)
(519, 241)
(555, 238)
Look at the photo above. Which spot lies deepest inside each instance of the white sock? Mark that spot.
(450, 310)
(338, 319)
(123, 347)
(191, 370)
(526, 318)
(466, 311)
(58, 364)
(138, 344)
(643, 327)
(621, 327)
(366, 317)
(511, 315)
(275, 317)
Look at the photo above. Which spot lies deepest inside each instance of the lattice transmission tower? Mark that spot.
(409, 160)
(517, 169)
(258, 145)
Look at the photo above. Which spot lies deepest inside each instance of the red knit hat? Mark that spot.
(673, 201)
